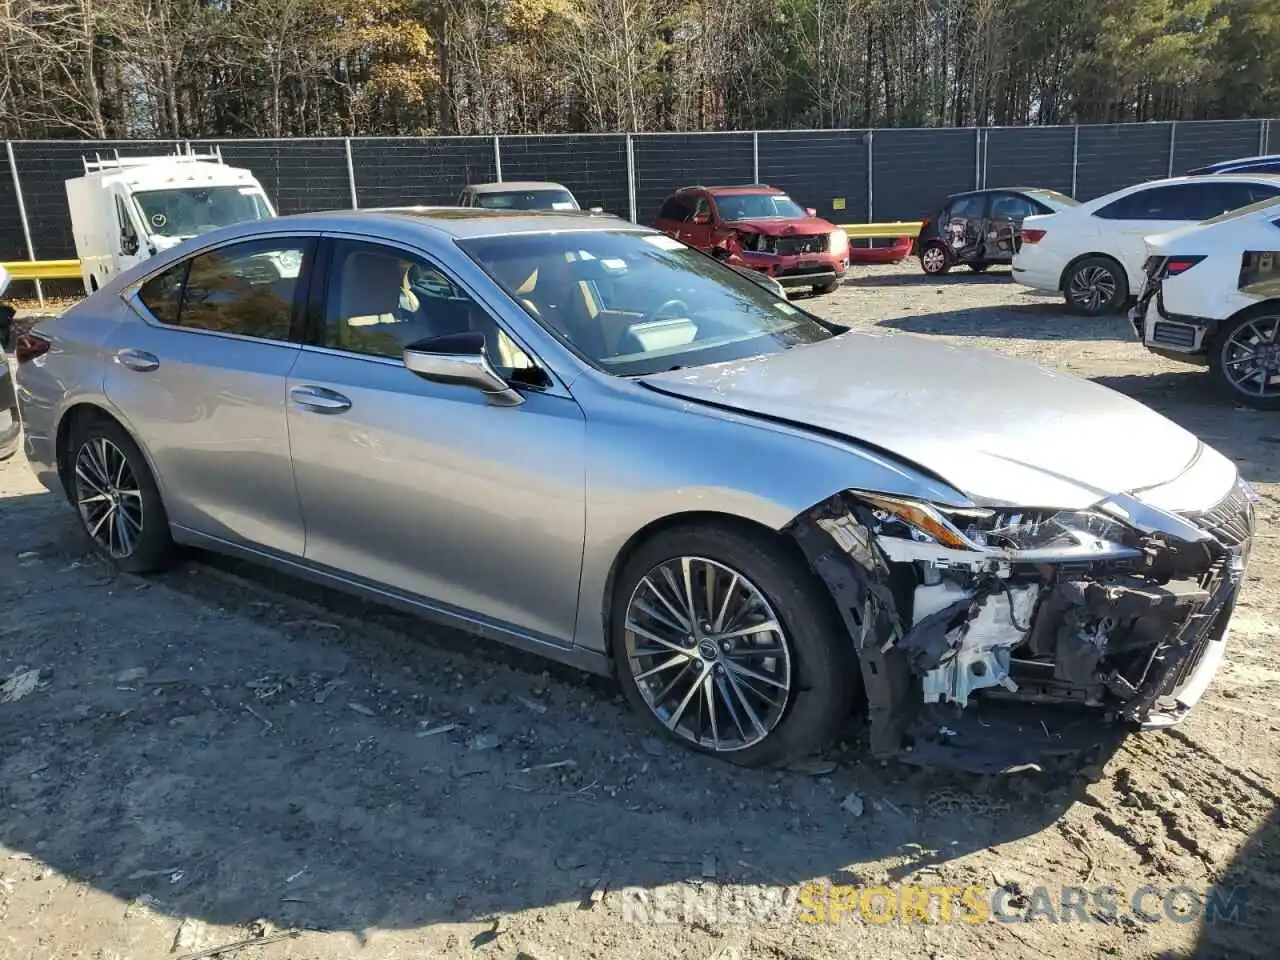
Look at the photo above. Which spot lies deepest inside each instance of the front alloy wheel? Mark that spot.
(708, 654)
(109, 497)
(934, 260)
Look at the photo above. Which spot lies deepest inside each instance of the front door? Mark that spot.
(426, 488)
(697, 230)
(202, 383)
(962, 227)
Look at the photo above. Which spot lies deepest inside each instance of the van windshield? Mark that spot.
(191, 211)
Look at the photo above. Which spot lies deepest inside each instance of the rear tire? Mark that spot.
(805, 667)
(1095, 287)
(979, 267)
(117, 499)
(1233, 359)
(935, 258)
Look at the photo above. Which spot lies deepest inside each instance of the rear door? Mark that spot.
(201, 380)
(1008, 210)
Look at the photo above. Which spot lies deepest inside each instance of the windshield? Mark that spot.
(191, 211)
(527, 200)
(1054, 199)
(757, 206)
(635, 303)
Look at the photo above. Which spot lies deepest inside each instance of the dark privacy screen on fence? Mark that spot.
(848, 176)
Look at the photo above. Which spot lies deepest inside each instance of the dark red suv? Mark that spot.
(762, 228)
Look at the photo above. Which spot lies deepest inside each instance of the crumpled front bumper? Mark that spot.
(1188, 622)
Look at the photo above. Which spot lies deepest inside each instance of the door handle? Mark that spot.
(319, 399)
(138, 360)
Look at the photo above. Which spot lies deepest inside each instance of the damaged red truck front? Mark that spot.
(1119, 611)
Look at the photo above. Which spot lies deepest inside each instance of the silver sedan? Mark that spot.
(577, 436)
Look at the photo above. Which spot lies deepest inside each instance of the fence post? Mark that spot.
(351, 175)
(977, 158)
(871, 177)
(1262, 136)
(631, 178)
(22, 213)
(755, 156)
(1075, 161)
(1173, 140)
(497, 157)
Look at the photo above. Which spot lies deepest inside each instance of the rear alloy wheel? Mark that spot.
(1245, 359)
(934, 259)
(731, 649)
(117, 499)
(1095, 287)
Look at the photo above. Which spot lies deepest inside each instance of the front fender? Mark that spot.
(654, 460)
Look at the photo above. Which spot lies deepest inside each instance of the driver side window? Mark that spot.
(128, 235)
(702, 208)
(382, 299)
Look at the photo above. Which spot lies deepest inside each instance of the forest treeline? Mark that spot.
(280, 68)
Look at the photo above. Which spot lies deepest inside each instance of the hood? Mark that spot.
(789, 227)
(999, 430)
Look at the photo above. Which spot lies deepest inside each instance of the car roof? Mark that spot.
(730, 189)
(506, 186)
(1242, 161)
(451, 222)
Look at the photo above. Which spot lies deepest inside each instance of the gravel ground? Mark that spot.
(217, 753)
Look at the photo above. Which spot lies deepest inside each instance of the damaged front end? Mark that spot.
(1120, 610)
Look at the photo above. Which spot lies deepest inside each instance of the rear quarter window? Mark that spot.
(162, 294)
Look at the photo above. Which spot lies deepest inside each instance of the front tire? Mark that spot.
(1244, 360)
(117, 499)
(935, 258)
(1095, 287)
(726, 643)
(831, 287)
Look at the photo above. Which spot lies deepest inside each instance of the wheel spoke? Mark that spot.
(742, 671)
(686, 570)
(718, 624)
(746, 704)
(640, 631)
(709, 695)
(723, 687)
(649, 611)
(770, 626)
(693, 689)
(675, 660)
(659, 698)
(106, 515)
(682, 619)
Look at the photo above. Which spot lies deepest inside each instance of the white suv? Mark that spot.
(1212, 297)
(1093, 253)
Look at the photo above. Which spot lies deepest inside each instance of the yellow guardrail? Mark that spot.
(70, 269)
(43, 269)
(876, 231)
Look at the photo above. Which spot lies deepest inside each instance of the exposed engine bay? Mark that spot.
(953, 609)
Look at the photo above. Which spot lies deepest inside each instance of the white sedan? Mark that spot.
(1212, 297)
(1093, 253)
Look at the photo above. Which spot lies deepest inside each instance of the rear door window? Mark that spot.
(1013, 206)
(1180, 201)
(162, 294)
(967, 208)
(249, 289)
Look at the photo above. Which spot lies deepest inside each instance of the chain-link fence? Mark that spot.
(848, 176)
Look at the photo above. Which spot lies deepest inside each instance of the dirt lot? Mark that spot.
(216, 751)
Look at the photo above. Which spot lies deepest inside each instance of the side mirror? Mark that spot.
(459, 358)
(810, 212)
(595, 209)
(701, 219)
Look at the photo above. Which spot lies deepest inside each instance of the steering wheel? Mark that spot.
(674, 306)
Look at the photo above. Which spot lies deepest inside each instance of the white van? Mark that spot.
(123, 210)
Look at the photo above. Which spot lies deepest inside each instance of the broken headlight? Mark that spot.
(1008, 534)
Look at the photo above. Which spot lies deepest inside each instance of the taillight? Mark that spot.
(28, 346)
(1174, 266)
(1032, 236)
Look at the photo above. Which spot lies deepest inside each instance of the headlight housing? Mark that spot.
(1009, 534)
(838, 242)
